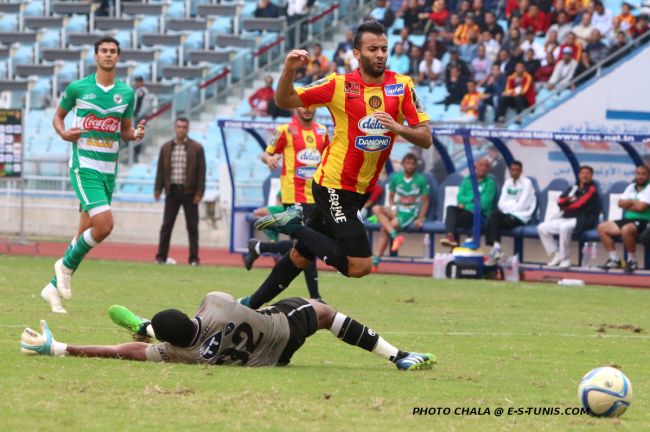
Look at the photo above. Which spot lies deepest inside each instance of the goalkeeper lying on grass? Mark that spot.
(226, 332)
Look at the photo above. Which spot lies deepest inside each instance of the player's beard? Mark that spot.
(370, 68)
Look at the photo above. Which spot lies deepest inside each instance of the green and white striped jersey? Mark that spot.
(100, 112)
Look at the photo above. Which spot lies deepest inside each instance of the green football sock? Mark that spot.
(75, 255)
(73, 242)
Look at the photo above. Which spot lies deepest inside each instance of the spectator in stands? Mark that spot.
(520, 10)
(456, 62)
(518, 94)
(181, 174)
(640, 27)
(571, 42)
(529, 42)
(297, 10)
(531, 63)
(619, 47)
(468, 51)
(410, 12)
(564, 70)
(435, 44)
(471, 102)
(493, 26)
(437, 18)
(461, 215)
(259, 100)
(584, 29)
(535, 20)
(635, 203)
(506, 63)
(545, 69)
(498, 166)
(551, 42)
(579, 208)
(580, 75)
(429, 70)
(512, 40)
(315, 73)
(493, 87)
(479, 13)
(450, 28)
(516, 206)
(382, 13)
(492, 47)
(463, 31)
(573, 8)
(347, 45)
(625, 20)
(403, 40)
(414, 59)
(596, 48)
(266, 9)
(144, 99)
(456, 87)
(481, 65)
(562, 26)
(464, 8)
(317, 55)
(602, 18)
(408, 203)
(399, 62)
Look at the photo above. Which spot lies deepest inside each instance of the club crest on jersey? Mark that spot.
(117, 98)
(309, 139)
(372, 144)
(394, 89)
(370, 125)
(306, 172)
(210, 348)
(351, 88)
(309, 157)
(374, 102)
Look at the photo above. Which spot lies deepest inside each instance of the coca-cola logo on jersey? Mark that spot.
(108, 124)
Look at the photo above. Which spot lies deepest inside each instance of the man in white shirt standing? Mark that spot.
(516, 206)
(602, 19)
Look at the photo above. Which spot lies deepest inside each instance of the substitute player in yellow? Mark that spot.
(300, 144)
(102, 107)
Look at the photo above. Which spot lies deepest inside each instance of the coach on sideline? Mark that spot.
(181, 173)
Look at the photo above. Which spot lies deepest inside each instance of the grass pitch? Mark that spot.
(499, 345)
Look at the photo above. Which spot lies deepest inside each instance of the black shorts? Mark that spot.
(638, 223)
(336, 215)
(303, 323)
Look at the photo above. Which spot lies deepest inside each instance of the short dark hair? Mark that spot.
(644, 166)
(107, 39)
(372, 26)
(410, 156)
(586, 167)
(174, 327)
(139, 78)
(183, 119)
(517, 163)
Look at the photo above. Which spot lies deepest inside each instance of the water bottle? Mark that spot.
(586, 255)
(594, 254)
(426, 243)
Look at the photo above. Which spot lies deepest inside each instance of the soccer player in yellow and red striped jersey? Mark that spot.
(369, 107)
(300, 143)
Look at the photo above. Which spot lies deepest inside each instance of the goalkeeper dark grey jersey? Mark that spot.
(231, 334)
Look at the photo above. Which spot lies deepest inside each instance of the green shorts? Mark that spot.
(276, 209)
(406, 218)
(94, 189)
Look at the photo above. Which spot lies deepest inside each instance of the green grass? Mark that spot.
(498, 345)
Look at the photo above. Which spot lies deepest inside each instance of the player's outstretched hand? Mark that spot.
(387, 121)
(140, 130)
(73, 134)
(296, 59)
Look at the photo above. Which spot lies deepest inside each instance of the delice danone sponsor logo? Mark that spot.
(308, 157)
(371, 125)
(108, 124)
(306, 172)
(372, 143)
(394, 89)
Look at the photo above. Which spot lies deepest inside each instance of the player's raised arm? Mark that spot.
(286, 96)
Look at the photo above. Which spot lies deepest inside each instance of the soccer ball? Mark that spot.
(605, 392)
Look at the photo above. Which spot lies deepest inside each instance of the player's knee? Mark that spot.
(360, 270)
(298, 260)
(377, 208)
(324, 313)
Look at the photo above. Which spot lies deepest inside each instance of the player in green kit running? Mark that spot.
(102, 108)
(408, 205)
